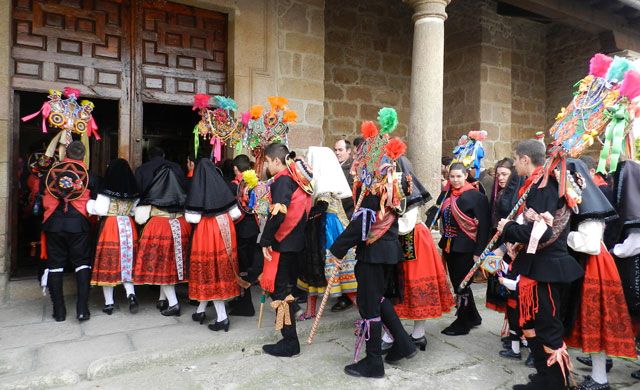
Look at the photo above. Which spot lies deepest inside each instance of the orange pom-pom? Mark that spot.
(395, 148)
(368, 129)
(256, 111)
(277, 102)
(289, 116)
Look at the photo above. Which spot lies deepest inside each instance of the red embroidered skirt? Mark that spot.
(107, 269)
(426, 291)
(156, 262)
(212, 275)
(603, 323)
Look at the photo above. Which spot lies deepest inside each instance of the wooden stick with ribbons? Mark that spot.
(435, 217)
(263, 300)
(332, 281)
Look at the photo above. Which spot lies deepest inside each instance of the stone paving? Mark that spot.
(152, 351)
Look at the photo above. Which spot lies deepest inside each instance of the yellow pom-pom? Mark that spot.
(250, 177)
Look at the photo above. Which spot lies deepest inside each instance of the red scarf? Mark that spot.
(527, 184)
(456, 192)
(599, 180)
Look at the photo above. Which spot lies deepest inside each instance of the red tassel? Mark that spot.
(599, 65)
(269, 271)
(43, 246)
(528, 298)
(630, 84)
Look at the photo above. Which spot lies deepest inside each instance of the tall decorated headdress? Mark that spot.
(65, 112)
(218, 124)
(263, 127)
(375, 161)
(470, 151)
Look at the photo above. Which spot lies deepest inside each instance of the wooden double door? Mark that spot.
(136, 52)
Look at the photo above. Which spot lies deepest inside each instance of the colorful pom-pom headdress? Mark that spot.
(64, 112)
(470, 151)
(375, 161)
(219, 124)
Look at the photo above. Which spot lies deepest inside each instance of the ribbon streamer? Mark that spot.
(283, 314)
(368, 218)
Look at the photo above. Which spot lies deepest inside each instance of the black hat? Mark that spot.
(119, 181)
(419, 194)
(209, 193)
(165, 190)
(594, 204)
(626, 191)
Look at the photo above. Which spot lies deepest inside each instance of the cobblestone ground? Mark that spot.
(147, 350)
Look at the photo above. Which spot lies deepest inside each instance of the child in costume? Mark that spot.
(327, 220)
(213, 273)
(118, 238)
(164, 241)
(282, 241)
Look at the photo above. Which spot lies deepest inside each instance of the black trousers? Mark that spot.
(372, 283)
(282, 287)
(249, 257)
(458, 265)
(547, 323)
(68, 248)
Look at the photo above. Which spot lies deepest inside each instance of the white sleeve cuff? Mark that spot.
(235, 213)
(192, 217)
(588, 238)
(142, 214)
(630, 246)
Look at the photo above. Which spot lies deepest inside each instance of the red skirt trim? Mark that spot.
(156, 261)
(427, 293)
(107, 264)
(603, 323)
(498, 308)
(212, 273)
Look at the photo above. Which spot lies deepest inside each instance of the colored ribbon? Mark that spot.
(614, 137)
(196, 141)
(45, 110)
(561, 357)
(176, 231)
(217, 149)
(125, 233)
(363, 334)
(368, 218)
(283, 315)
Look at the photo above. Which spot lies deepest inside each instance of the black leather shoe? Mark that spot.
(509, 354)
(341, 305)
(385, 347)
(133, 303)
(199, 317)
(171, 311)
(394, 357)
(590, 384)
(162, 304)
(369, 367)
(529, 361)
(108, 309)
(636, 375)
(222, 325)
(421, 343)
(586, 360)
(83, 316)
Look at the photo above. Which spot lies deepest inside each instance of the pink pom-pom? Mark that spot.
(245, 118)
(599, 65)
(200, 100)
(630, 84)
(478, 135)
(68, 91)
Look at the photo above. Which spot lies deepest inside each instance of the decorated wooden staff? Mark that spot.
(602, 104)
(325, 298)
(263, 300)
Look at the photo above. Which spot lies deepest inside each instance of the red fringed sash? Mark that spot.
(528, 299)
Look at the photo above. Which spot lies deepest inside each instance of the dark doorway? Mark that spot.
(29, 140)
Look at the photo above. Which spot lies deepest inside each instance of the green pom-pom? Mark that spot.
(617, 69)
(388, 120)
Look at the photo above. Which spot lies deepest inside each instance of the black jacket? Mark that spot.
(282, 190)
(553, 263)
(475, 205)
(386, 250)
(347, 203)
(247, 226)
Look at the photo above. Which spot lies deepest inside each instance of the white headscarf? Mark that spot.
(327, 173)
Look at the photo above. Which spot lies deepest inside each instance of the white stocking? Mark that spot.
(170, 292)
(599, 367)
(202, 306)
(162, 297)
(108, 294)
(221, 312)
(418, 329)
(129, 289)
(386, 337)
(515, 346)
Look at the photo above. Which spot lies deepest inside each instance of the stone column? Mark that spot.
(6, 113)
(425, 123)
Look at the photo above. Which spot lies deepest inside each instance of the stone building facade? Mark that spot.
(447, 67)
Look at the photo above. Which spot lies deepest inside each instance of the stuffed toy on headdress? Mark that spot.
(375, 161)
(64, 112)
(218, 124)
(470, 151)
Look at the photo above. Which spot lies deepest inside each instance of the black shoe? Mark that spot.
(243, 306)
(393, 358)
(199, 317)
(421, 343)
(282, 348)
(586, 360)
(222, 325)
(369, 367)
(133, 303)
(590, 384)
(341, 305)
(529, 362)
(386, 346)
(457, 328)
(84, 316)
(171, 311)
(509, 354)
(108, 309)
(636, 375)
(162, 304)
(532, 376)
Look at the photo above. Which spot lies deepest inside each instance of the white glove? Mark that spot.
(142, 214)
(192, 217)
(588, 237)
(631, 245)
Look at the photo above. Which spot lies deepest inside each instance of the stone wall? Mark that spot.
(301, 58)
(367, 64)
(5, 142)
